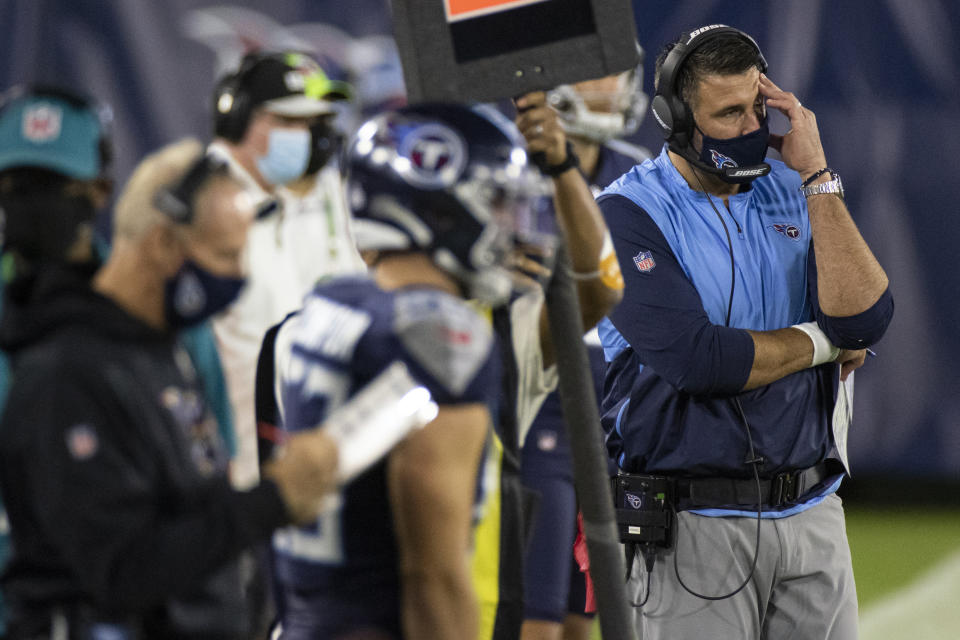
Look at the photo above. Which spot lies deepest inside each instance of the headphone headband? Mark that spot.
(176, 201)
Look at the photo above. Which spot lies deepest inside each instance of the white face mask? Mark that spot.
(288, 152)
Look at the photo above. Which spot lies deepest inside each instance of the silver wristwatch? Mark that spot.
(830, 186)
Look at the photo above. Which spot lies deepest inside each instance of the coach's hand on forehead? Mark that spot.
(800, 148)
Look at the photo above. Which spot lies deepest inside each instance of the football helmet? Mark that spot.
(448, 180)
(601, 109)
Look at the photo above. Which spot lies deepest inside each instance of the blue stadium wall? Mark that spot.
(883, 77)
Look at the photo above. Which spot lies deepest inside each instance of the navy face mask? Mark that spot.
(743, 152)
(194, 294)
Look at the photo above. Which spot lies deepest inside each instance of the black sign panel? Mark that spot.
(480, 50)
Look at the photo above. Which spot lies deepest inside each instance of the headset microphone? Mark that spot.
(731, 174)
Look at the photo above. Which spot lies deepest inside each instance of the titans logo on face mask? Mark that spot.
(742, 151)
(194, 294)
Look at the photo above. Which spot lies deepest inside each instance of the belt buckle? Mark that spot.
(785, 488)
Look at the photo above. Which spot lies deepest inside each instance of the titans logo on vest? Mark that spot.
(789, 230)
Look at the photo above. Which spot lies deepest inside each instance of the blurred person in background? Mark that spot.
(273, 126)
(123, 519)
(55, 155)
(527, 351)
(595, 114)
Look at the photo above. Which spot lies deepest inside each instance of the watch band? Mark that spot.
(831, 186)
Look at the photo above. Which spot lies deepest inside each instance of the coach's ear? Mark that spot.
(370, 257)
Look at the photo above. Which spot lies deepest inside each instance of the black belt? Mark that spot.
(784, 488)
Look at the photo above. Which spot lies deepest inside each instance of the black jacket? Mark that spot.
(114, 477)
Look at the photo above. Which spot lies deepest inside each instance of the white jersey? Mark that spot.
(287, 252)
(534, 382)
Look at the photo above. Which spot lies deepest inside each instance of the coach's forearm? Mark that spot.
(850, 280)
(777, 354)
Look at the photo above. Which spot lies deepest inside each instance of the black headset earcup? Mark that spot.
(662, 115)
(232, 106)
(223, 95)
(230, 111)
(240, 116)
(682, 121)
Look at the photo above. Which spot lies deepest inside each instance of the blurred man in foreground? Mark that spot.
(122, 517)
(435, 190)
(55, 155)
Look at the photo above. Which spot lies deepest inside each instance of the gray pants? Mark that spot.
(802, 588)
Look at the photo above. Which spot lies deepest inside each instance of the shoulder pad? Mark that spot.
(443, 335)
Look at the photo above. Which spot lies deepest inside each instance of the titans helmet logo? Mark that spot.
(432, 156)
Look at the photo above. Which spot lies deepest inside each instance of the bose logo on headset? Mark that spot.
(744, 173)
(694, 34)
(656, 116)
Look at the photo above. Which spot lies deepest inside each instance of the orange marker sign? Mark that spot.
(463, 9)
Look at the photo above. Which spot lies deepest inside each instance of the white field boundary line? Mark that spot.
(926, 609)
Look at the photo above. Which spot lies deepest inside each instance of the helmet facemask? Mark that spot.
(505, 201)
(597, 112)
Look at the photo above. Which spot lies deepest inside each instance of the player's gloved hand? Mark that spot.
(304, 472)
(540, 125)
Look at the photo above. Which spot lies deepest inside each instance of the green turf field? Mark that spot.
(892, 547)
(894, 551)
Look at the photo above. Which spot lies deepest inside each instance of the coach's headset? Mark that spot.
(232, 103)
(673, 115)
(177, 201)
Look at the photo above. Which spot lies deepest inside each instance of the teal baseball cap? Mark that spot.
(50, 131)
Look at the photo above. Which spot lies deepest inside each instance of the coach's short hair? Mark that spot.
(137, 211)
(723, 54)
